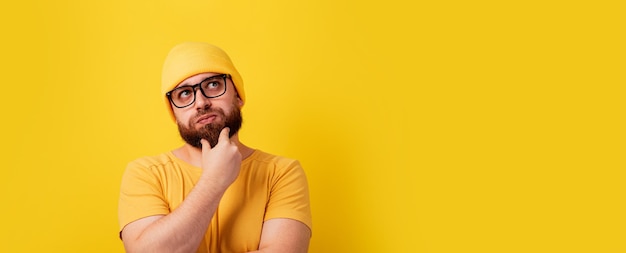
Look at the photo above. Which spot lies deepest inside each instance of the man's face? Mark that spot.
(206, 117)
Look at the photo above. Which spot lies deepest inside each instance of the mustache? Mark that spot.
(208, 110)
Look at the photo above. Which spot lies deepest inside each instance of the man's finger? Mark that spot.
(224, 135)
(205, 145)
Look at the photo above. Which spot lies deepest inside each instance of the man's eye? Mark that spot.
(184, 94)
(213, 85)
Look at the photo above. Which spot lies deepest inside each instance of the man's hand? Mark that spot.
(221, 163)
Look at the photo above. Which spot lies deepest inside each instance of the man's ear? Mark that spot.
(239, 102)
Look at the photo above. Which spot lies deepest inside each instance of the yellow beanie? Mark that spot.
(191, 58)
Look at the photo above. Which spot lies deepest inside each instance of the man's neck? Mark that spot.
(193, 155)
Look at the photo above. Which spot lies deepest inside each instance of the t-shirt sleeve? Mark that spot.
(141, 195)
(289, 195)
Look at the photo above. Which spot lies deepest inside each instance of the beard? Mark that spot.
(211, 131)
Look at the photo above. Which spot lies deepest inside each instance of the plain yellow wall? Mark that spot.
(423, 126)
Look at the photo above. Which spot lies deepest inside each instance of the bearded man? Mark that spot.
(213, 194)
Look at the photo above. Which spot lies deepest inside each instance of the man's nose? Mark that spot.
(201, 100)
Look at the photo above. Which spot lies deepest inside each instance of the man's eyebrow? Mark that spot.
(189, 85)
(184, 85)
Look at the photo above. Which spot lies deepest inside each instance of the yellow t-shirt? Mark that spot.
(268, 187)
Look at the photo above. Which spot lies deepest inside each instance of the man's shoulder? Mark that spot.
(260, 157)
(160, 160)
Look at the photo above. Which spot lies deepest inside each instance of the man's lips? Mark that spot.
(207, 118)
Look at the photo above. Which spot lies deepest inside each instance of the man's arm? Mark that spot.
(184, 228)
(284, 236)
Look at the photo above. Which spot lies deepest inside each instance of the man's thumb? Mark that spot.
(206, 146)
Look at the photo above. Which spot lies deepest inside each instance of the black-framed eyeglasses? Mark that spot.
(210, 87)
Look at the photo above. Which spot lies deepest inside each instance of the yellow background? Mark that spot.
(423, 126)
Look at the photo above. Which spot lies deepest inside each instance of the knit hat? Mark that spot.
(191, 58)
